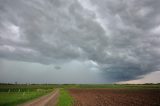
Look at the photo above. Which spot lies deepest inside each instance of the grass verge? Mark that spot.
(65, 99)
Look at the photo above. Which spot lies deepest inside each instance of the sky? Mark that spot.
(80, 41)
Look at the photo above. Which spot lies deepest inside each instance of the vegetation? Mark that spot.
(64, 99)
(11, 95)
(128, 86)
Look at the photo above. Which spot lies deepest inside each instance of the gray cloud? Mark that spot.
(120, 37)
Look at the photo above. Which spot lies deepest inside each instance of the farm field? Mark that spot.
(83, 94)
(11, 95)
(116, 97)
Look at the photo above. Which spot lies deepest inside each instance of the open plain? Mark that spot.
(115, 97)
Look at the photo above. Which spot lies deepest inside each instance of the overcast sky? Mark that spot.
(79, 41)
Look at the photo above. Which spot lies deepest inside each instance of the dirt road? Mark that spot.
(47, 100)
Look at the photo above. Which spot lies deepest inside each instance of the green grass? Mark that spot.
(11, 95)
(117, 86)
(64, 99)
(14, 98)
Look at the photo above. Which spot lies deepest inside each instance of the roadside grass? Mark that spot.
(65, 99)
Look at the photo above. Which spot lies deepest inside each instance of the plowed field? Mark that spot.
(115, 97)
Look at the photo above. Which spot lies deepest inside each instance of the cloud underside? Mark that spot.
(120, 38)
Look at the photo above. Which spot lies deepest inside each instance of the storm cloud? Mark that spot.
(117, 39)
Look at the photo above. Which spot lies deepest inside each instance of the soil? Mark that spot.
(47, 100)
(115, 97)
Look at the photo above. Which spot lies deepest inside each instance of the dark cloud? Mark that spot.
(120, 37)
(57, 67)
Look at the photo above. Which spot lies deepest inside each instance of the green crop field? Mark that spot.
(11, 95)
(116, 86)
(13, 98)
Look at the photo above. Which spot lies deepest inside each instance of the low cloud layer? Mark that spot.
(120, 38)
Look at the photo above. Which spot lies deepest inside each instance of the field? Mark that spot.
(11, 95)
(115, 97)
(84, 94)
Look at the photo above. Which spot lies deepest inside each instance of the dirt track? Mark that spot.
(47, 100)
(115, 97)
